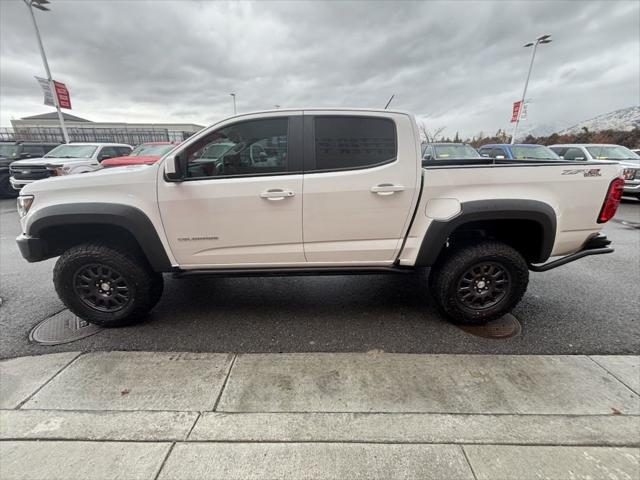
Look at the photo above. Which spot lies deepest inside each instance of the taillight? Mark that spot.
(612, 200)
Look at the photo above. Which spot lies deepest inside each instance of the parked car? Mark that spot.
(67, 159)
(447, 151)
(518, 151)
(12, 151)
(314, 192)
(594, 152)
(144, 154)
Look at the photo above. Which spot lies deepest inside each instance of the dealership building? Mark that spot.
(46, 127)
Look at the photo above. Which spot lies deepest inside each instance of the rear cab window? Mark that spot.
(351, 142)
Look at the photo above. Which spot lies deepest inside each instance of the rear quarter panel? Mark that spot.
(575, 198)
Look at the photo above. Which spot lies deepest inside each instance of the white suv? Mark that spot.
(67, 159)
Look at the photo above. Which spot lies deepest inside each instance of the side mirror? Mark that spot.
(499, 157)
(104, 157)
(579, 158)
(427, 157)
(175, 168)
(485, 155)
(25, 155)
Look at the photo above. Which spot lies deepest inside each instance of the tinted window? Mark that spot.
(123, 151)
(253, 147)
(494, 152)
(574, 154)
(353, 142)
(33, 150)
(107, 152)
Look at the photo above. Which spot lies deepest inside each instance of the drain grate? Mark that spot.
(64, 327)
(506, 326)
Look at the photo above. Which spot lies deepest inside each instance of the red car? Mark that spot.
(145, 153)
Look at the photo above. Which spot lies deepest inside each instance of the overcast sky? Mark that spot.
(456, 64)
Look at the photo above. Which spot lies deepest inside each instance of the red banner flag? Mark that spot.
(516, 111)
(64, 100)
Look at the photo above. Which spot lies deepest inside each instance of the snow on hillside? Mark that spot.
(624, 119)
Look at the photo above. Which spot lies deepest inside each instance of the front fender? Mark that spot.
(129, 218)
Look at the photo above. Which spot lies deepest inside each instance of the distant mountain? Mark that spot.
(625, 119)
(539, 130)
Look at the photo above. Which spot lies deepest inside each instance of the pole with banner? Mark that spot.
(52, 88)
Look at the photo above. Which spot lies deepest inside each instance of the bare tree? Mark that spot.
(429, 135)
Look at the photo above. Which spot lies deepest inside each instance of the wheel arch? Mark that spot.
(60, 227)
(527, 225)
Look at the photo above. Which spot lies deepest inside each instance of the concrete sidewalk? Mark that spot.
(138, 415)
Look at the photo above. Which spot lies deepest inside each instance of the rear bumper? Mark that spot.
(597, 245)
(32, 249)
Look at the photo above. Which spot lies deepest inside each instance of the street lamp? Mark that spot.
(539, 41)
(40, 5)
(234, 103)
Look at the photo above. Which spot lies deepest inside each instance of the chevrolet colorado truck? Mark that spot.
(313, 192)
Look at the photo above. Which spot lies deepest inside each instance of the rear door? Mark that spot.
(241, 202)
(360, 186)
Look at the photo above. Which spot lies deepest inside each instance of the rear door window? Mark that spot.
(347, 143)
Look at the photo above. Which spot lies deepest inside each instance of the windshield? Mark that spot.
(151, 149)
(534, 152)
(72, 151)
(8, 150)
(612, 152)
(444, 152)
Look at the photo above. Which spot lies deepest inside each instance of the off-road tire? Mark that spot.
(6, 190)
(446, 278)
(144, 286)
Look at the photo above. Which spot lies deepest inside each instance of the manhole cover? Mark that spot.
(64, 327)
(506, 326)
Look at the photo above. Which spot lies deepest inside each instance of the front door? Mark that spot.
(240, 203)
(360, 186)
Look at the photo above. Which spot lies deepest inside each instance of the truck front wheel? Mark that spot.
(6, 190)
(106, 286)
(477, 283)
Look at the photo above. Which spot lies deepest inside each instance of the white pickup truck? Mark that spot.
(318, 191)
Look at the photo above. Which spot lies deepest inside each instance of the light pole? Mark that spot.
(539, 40)
(39, 4)
(234, 103)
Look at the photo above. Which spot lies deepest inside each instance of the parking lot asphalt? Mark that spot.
(591, 306)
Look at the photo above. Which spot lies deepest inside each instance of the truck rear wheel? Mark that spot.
(477, 283)
(106, 286)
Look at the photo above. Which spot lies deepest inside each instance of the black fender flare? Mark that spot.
(539, 212)
(127, 217)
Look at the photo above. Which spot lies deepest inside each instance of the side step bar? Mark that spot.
(292, 271)
(597, 245)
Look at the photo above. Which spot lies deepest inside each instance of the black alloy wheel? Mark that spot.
(483, 285)
(101, 287)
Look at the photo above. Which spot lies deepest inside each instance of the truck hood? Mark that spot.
(105, 178)
(131, 160)
(49, 161)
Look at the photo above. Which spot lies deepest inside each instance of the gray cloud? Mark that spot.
(456, 64)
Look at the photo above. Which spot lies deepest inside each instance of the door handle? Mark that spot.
(387, 189)
(274, 194)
